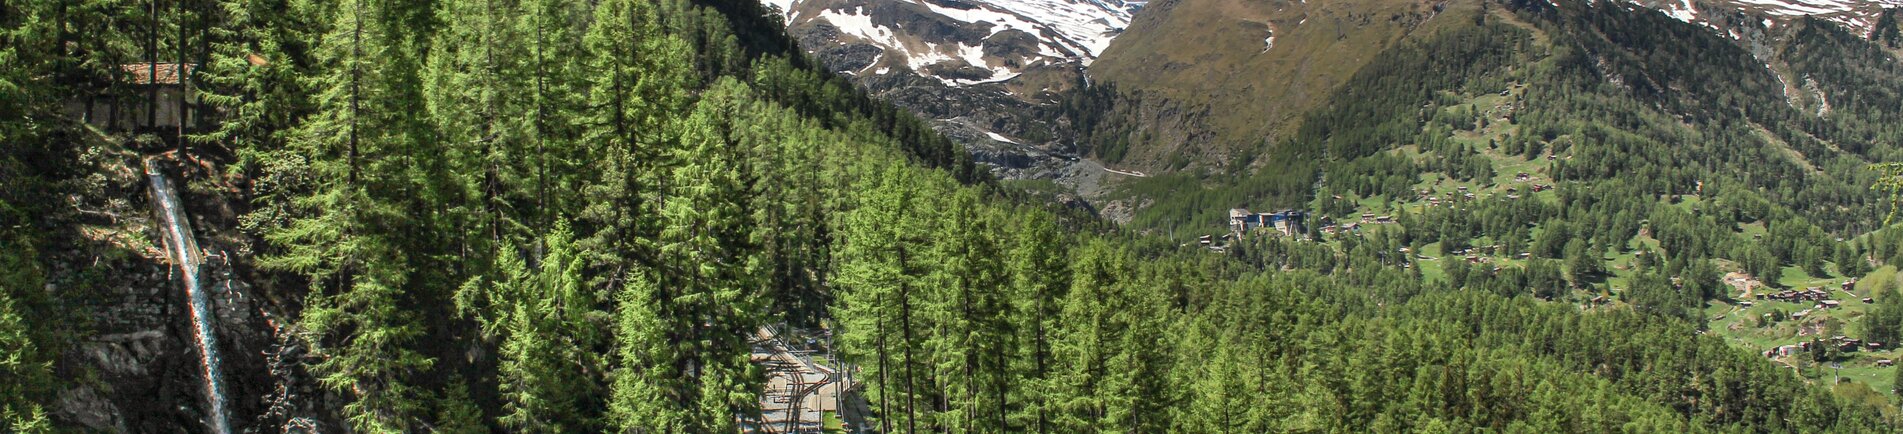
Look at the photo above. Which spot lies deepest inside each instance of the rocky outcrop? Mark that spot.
(131, 366)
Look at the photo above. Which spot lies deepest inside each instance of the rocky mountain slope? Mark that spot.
(983, 71)
(1202, 88)
(1857, 15)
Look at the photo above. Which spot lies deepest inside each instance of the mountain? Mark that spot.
(982, 71)
(1855, 15)
(658, 216)
(1224, 97)
(961, 43)
(1213, 81)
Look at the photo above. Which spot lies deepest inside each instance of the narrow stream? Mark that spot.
(184, 251)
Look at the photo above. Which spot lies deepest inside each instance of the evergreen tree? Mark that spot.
(647, 380)
(708, 266)
(549, 335)
(1039, 276)
(359, 147)
(255, 76)
(552, 57)
(25, 372)
(473, 80)
(1087, 384)
(876, 274)
(638, 81)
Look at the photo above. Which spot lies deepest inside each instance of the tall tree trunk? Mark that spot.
(885, 397)
(184, 81)
(152, 66)
(905, 331)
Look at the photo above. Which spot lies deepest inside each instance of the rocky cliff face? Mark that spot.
(984, 71)
(134, 365)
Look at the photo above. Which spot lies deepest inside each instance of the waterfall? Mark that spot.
(184, 250)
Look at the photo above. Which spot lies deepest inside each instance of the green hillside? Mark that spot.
(1628, 154)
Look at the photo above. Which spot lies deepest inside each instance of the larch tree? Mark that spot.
(548, 340)
(1039, 276)
(550, 34)
(869, 306)
(638, 82)
(647, 381)
(708, 265)
(338, 233)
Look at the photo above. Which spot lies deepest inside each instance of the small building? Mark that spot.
(1885, 363)
(159, 99)
(1286, 222)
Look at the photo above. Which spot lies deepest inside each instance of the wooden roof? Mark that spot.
(168, 73)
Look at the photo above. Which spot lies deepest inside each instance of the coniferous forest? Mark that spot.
(576, 216)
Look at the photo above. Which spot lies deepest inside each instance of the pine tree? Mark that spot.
(552, 58)
(638, 81)
(647, 380)
(456, 413)
(473, 79)
(252, 78)
(549, 336)
(1087, 386)
(874, 275)
(26, 376)
(1039, 277)
(25, 373)
(708, 266)
(357, 148)
(966, 308)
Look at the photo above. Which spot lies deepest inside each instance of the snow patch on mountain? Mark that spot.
(1683, 11)
(1857, 15)
(1268, 42)
(1089, 24)
(966, 42)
